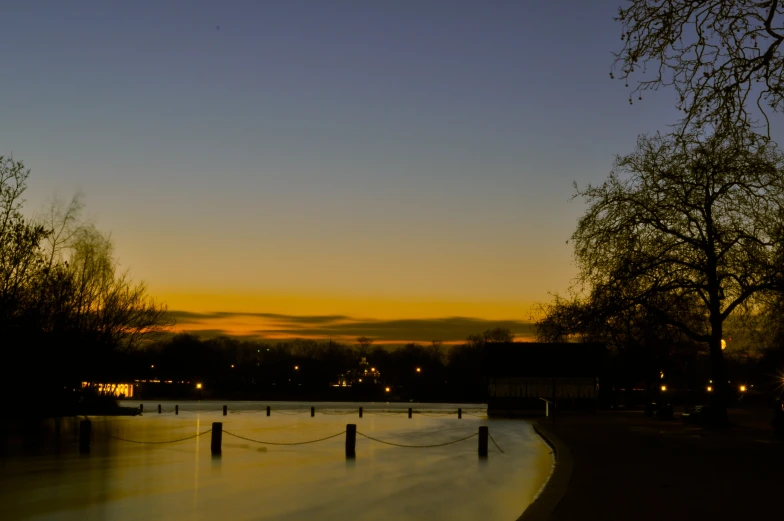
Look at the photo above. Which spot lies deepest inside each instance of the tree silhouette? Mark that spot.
(65, 310)
(687, 224)
(717, 54)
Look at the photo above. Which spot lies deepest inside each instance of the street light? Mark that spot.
(418, 369)
(198, 386)
(663, 387)
(386, 389)
(743, 388)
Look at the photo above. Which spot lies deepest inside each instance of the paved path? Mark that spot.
(629, 467)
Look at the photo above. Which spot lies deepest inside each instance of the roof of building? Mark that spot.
(544, 360)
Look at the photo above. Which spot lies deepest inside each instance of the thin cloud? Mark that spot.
(274, 326)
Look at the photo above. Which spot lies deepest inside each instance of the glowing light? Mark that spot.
(710, 388)
(723, 344)
(372, 369)
(743, 388)
(663, 387)
(419, 369)
(360, 380)
(232, 366)
(152, 366)
(386, 389)
(661, 374)
(296, 368)
(198, 386)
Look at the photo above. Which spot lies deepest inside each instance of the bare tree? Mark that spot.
(364, 344)
(20, 258)
(717, 54)
(688, 222)
(498, 335)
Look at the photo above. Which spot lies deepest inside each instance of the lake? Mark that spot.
(49, 480)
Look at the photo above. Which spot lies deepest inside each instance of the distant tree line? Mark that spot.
(67, 313)
(312, 369)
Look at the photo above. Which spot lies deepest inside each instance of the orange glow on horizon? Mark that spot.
(280, 318)
(379, 307)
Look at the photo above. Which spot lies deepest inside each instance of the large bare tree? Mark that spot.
(690, 222)
(719, 55)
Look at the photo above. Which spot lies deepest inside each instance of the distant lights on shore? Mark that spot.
(418, 369)
(742, 388)
(663, 387)
(296, 368)
(386, 389)
(710, 388)
(198, 386)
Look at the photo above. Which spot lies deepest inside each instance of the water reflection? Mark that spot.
(127, 481)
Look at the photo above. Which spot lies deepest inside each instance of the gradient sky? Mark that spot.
(377, 161)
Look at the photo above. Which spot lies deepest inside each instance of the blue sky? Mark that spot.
(386, 159)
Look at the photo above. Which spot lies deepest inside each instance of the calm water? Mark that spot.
(120, 480)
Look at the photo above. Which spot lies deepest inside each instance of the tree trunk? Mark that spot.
(720, 396)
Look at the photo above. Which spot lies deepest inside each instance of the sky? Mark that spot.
(402, 169)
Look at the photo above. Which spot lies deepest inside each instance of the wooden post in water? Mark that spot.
(85, 429)
(159, 408)
(312, 411)
(351, 441)
(360, 412)
(217, 437)
(483, 435)
(410, 411)
(459, 413)
(176, 409)
(268, 410)
(225, 409)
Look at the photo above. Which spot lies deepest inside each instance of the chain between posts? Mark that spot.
(160, 442)
(494, 443)
(281, 443)
(417, 446)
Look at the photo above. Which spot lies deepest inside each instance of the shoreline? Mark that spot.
(557, 484)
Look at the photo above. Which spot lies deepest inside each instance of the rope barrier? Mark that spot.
(160, 442)
(280, 443)
(494, 443)
(333, 412)
(417, 446)
(288, 413)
